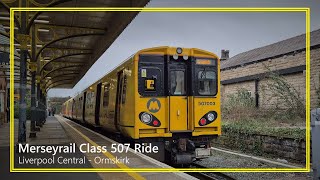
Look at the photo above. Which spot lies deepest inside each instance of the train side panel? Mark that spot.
(90, 101)
(117, 100)
(107, 102)
(79, 107)
(69, 109)
(75, 108)
(63, 109)
(126, 99)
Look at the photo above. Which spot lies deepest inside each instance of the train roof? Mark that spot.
(172, 50)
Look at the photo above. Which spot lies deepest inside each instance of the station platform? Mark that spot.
(59, 131)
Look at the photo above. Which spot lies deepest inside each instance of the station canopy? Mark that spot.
(64, 45)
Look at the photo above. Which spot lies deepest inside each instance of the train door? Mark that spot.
(118, 99)
(178, 100)
(73, 109)
(84, 106)
(97, 105)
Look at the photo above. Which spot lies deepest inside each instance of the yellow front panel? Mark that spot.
(203, 105)
(178, 113)
(181, 113)
(155, 106)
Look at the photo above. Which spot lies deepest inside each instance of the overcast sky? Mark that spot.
(212, 31)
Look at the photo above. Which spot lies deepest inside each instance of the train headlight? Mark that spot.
(185, 57)
(146, 118)
(210, 116)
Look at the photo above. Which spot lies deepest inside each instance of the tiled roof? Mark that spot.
(266, 52)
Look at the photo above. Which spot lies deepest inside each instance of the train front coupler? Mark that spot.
(182, 151)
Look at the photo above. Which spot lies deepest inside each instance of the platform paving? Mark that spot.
(50, 133)
(59, 131)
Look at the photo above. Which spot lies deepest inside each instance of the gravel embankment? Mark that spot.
(226, 160)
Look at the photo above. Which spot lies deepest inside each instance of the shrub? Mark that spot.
(241, 98)
(287, 95)
(238, 105)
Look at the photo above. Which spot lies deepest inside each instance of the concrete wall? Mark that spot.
(283, 148)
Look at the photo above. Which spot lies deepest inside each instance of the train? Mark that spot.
(166, 96)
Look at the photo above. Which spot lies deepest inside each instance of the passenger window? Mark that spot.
(177, 82)
(106, 95)
(207, 82)
(92, 99)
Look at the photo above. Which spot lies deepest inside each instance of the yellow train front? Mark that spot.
(165, 96)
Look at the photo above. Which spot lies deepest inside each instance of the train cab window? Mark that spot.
(150, 81)
(177, 85)
(106, 94)
(207, 82)
(151, 75)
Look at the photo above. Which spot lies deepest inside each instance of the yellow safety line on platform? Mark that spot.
(121, 165)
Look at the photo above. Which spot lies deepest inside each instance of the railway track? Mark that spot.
(201, 176)
(208, 175)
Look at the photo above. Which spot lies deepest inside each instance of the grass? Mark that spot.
(258, 137)
(263, 127)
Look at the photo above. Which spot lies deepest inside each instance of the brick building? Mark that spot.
(248, 70)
